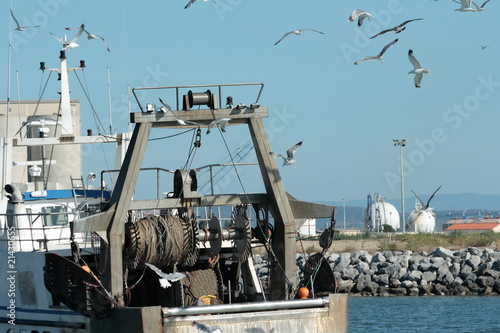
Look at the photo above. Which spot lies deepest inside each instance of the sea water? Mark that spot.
(425, 314)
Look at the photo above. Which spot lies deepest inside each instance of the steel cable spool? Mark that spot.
(158, 240)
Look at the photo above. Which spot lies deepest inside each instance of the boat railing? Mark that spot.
(158, 180)
(38, 238)
(218, 86)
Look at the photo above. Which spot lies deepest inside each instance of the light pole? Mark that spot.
(343, 203)
(401, 144)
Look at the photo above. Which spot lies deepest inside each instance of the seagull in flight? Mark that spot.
(71, 44)
(483, 46)
(297, 32)
(418, 70)
(206, 328)
(397, 29)
(19, 28)
(166, 108)
(193, 1)
(465, 6)
(480, 8)
(222, 124)
(92, 36)
(289, 153)
(165, 278)
(360, 15)
(379, 56)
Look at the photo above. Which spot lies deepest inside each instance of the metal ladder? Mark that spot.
(78, 184)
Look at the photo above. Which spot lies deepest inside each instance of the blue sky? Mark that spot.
(346, 115)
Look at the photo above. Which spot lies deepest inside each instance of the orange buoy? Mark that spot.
(303, 293)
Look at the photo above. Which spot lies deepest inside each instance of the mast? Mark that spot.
(65, 114)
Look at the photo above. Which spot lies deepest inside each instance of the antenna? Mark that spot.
(109, 106)
(4, 148)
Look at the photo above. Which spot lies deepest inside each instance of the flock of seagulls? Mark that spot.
(418, 70)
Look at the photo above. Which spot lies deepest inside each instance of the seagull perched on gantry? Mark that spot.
(379, 56)
(418, 70)
(289, 153)
(222, 124)
(71, 44)
(19, 28)
(92, 36)
(397, 29)
(193, 1)
(206, 328)
(297, 32)
(360, 15)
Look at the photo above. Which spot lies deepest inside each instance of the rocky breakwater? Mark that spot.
(442, 272)
(469, 271)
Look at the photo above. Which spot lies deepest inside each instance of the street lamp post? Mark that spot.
(343, 203)
(401, 144)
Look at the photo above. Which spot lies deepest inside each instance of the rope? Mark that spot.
(160, 241)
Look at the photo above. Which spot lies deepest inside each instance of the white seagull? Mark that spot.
(289, 153)
(222, 124)
(379, 56)
(71, 44)
(360, 15)
(19, 28)
(397, 29)
(166, 108)
(206, 328)
(165, 278)
(480, 8)
(418, 70)
(193, 1)
(465, 6)
(92, 36)
(297, 32)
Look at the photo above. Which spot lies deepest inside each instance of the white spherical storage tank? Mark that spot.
(379, 213)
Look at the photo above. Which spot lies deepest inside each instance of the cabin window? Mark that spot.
(53, 216)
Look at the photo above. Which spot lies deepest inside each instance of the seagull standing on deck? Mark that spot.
(379, 56)
(193, 1)
(297, 32)
(360, 15)
(71, 44)
(19, 28)
(397, 29)
(289, 153)
(418, 70)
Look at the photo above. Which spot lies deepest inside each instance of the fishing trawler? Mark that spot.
(82, 259)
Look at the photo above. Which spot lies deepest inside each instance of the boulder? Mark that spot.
(443, 253)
